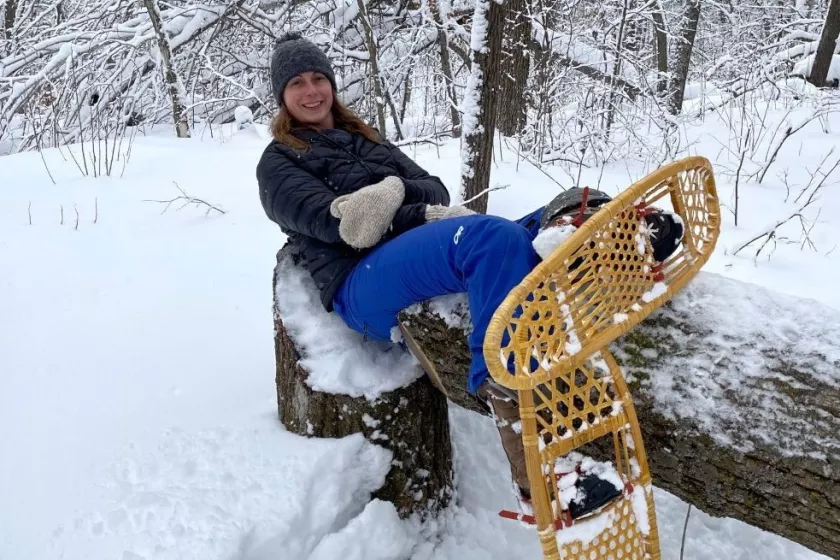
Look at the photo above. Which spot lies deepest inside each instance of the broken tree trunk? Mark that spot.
(411, 421)
(737, 390)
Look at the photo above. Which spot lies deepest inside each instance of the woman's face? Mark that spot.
(309, 97)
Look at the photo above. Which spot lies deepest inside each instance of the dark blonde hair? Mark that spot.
(283, 125)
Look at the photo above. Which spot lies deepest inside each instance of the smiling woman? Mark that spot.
(304, 87)
(375, 230)
(308, 98)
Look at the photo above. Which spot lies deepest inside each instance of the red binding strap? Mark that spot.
(578, 220)
(531, 520)
(658, 275)
(642, 209)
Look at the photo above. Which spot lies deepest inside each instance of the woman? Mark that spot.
(376, 230)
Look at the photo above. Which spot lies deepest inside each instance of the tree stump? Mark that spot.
(410, 421)
(737, 390)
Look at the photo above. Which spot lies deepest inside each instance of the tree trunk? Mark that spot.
(765, 446)
(9, 13)
(631, 34)
(446, 66)
(412, 422)
(479, 122)
(617, 66)
(406, 94)
(828, 42)
(661, 48)
(682, 55)
(373, 53)
(515, 67)
(173, 82)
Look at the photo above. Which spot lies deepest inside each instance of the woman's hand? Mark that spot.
(367, 213)
(439, 212)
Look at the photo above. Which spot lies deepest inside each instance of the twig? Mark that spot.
(77, 217)
(770, 233)
(187, 199)
(539, 167)
(685, 530)
(429, 139)
(807, 230)
(791, 130)
(62, 214)
(47, 167)
(29, 211)
(825, 175)
(96, 210)
(485, 191)
(738, 177)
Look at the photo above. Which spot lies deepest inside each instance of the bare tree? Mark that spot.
(173, 81)
(373, 52)
(8, 13)
(827, 45)
(480, 103)
(661, 36)
(438, 17)
(9, 10)
(682, 55)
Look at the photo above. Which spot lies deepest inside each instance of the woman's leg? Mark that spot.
(531, 222)
(484, 256)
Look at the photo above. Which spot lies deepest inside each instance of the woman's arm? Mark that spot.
(420, 186)
(296, 200)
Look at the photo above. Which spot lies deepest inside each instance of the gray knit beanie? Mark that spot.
(295, 55)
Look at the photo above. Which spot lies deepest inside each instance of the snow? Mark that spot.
(551, 238)
(137, 400)
(656, 291)
(338, 359)
(454, 309)
(243, 116)
(690, 385)
(803, 67)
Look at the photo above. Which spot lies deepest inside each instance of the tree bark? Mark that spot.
(779, 469)
(682, 55)
(173, 82)
(479, 122)
(661, 48)
(446, 66)
(9, 13)
(412, 422)
(617, 65)
(515, 67)
(828, 42)
(373, 53)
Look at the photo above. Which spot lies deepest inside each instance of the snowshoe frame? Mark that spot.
(553, 330)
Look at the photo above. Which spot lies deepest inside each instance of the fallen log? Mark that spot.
(331, 383)
(737, 390)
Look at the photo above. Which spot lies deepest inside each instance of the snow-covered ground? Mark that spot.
(137, 405)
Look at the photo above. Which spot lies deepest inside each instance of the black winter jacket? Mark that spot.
(297, 188)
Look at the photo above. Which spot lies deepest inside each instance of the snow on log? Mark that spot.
(331, 383)
(737, 389)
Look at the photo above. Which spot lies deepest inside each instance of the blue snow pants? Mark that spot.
(484, 256)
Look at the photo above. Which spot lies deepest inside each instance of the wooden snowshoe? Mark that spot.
(548, 342)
